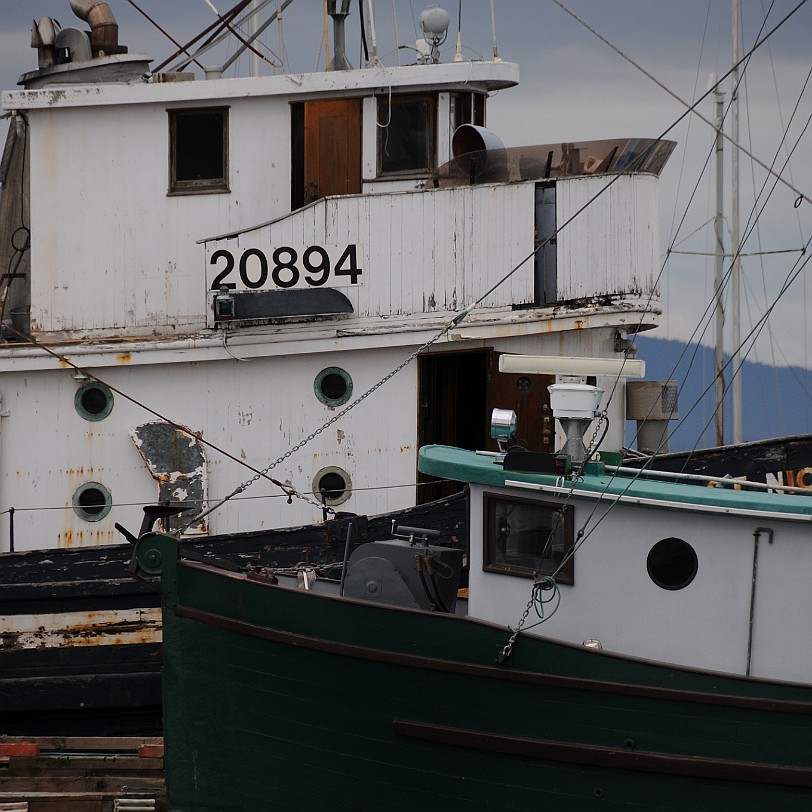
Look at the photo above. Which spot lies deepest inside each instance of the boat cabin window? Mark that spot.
(198, 151)
(467, 108)
(406, 134)
(672, 563)
(526, 537)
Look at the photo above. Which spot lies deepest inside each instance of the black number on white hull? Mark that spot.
(284, 267)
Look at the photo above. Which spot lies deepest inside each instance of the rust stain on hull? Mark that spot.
(80, 629)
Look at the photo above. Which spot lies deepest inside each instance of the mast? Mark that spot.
(718, 280)
(734, 230)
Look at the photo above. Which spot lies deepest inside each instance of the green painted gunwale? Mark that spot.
(449, 462)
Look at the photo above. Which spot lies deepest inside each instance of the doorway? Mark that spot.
(325, 150)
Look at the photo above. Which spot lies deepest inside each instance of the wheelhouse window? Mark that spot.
(467, 108)
(525, 537)
(198, 150)
(406, 134)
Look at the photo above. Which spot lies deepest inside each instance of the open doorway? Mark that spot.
(458, 391)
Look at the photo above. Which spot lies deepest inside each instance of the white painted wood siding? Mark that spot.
(613, 245)
(424, 252)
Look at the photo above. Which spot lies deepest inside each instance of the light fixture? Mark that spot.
(434, 22)
(223, 305)
(503, 429)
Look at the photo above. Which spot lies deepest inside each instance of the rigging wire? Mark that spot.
(692, 107)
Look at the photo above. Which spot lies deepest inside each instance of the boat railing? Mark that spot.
(712, 481)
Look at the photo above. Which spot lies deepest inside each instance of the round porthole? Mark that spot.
(92, 501)
(335, 483)
(93, 400)
(672, 563)
(333, 386)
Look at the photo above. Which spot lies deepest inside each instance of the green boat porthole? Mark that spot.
(92, 501)
(333, 386)
(332, 485)
(672, 563)
(93, 401)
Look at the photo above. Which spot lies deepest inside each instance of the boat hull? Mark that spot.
(80, 638)
(277, 696)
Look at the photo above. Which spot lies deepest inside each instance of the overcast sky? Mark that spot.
(575, 87)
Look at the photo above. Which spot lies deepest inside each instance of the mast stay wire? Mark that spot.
(692, 107)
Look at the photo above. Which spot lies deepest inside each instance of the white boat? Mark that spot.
(206, 274)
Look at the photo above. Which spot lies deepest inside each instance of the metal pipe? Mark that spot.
(102, 22)
(765, 486)
(346, 557)
(756, 536)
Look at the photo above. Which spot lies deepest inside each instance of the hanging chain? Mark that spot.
(292, 492)
(538, 583)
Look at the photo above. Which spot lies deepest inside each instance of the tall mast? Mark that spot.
(734, 230)
(718, 279)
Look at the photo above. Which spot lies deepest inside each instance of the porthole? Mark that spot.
(335, 484)
(672, 563)
(92, 501)
(93, 400)
(333, 386)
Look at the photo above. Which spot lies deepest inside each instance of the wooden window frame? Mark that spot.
(218, 185)
(566, 528)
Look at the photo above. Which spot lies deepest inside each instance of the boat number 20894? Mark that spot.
(285, 266)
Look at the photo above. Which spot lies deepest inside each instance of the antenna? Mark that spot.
(458, 52)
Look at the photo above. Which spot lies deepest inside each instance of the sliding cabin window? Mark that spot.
(406, 134)
(525, 537)
(198, 151)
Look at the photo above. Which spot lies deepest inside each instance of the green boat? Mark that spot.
(277, 697)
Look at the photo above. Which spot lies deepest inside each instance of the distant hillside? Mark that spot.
(776, 401)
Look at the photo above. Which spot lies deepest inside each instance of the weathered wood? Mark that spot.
(81, 773)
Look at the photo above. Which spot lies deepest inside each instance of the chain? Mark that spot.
(292, 492)
(592, 447)
(539, 583)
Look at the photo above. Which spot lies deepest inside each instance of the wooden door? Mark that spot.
(332, 148)
(528, 396)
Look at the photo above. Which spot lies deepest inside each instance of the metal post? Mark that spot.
(734, 231)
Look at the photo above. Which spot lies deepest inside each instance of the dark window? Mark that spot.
(672, 563)
(333, 386)
(406, 134)
(332, 485)
(527, 537)
(467, 108)
(198, 151)
(92, 501)
(93, 401)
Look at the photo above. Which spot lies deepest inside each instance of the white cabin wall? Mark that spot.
(613, 246)
(438, 250)
(96, 266)
(705, 624)
(255, 410)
